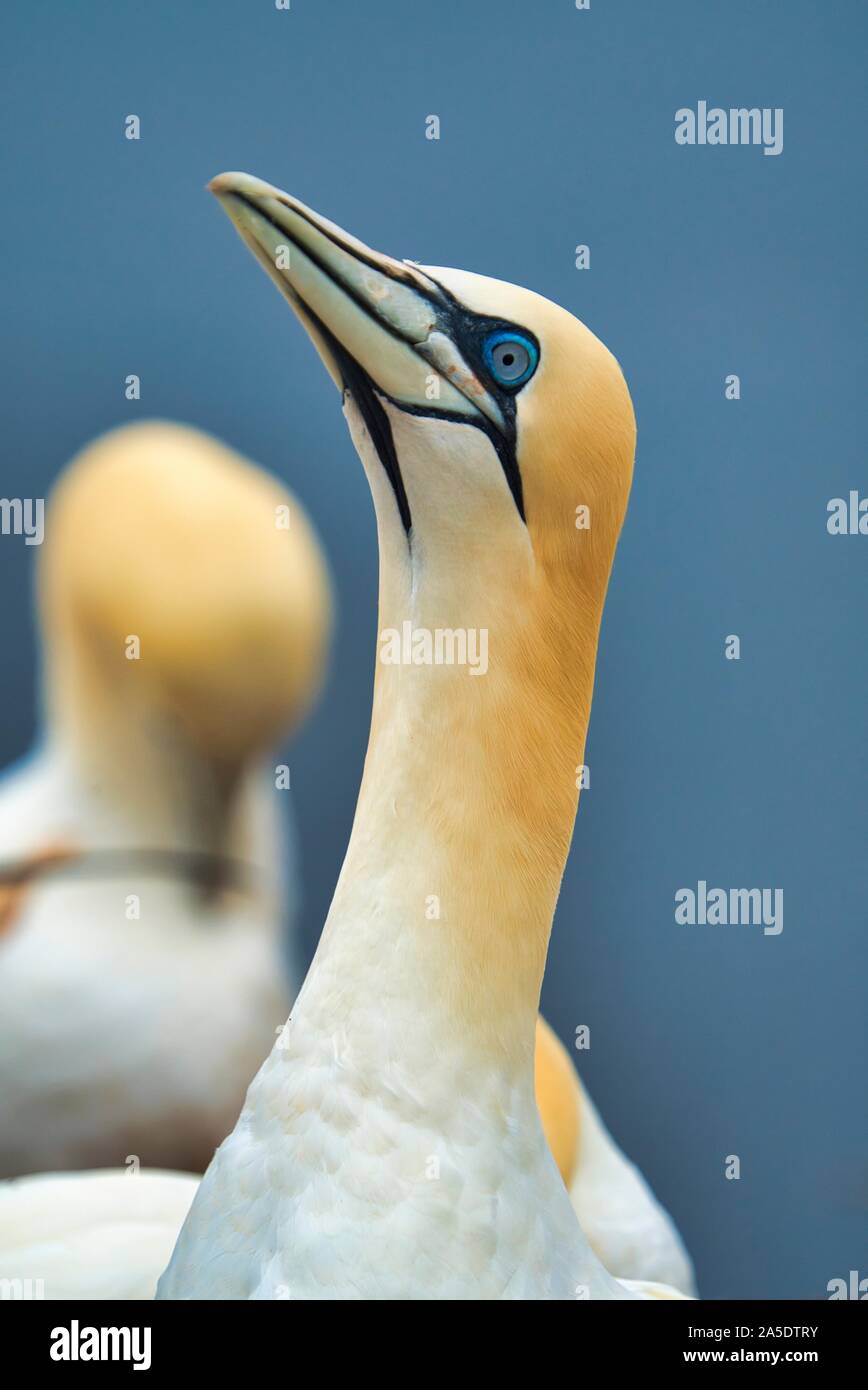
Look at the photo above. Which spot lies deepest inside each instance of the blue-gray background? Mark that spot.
(557, 128)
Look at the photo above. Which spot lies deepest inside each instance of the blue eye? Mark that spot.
(510, 357)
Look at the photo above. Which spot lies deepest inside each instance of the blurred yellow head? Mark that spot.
(180, 581)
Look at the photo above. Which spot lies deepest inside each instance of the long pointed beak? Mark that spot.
(364, 311)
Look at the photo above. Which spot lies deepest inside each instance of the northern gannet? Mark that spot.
(143, 962)
(391, 1145)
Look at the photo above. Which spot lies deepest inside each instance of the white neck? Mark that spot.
(468, 799)
(420, 1006)
(391, 1144)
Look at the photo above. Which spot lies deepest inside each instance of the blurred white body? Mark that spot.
(122, 1036)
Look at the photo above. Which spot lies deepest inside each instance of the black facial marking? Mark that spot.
(467, 331)
(365, 394)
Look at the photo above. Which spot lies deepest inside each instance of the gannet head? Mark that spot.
(486, 415)
(159, 533)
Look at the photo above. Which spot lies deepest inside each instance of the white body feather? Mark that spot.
(346, 1178)
(108, 1235)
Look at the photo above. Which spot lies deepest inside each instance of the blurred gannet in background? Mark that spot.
(391, 1146)
(143, 961)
